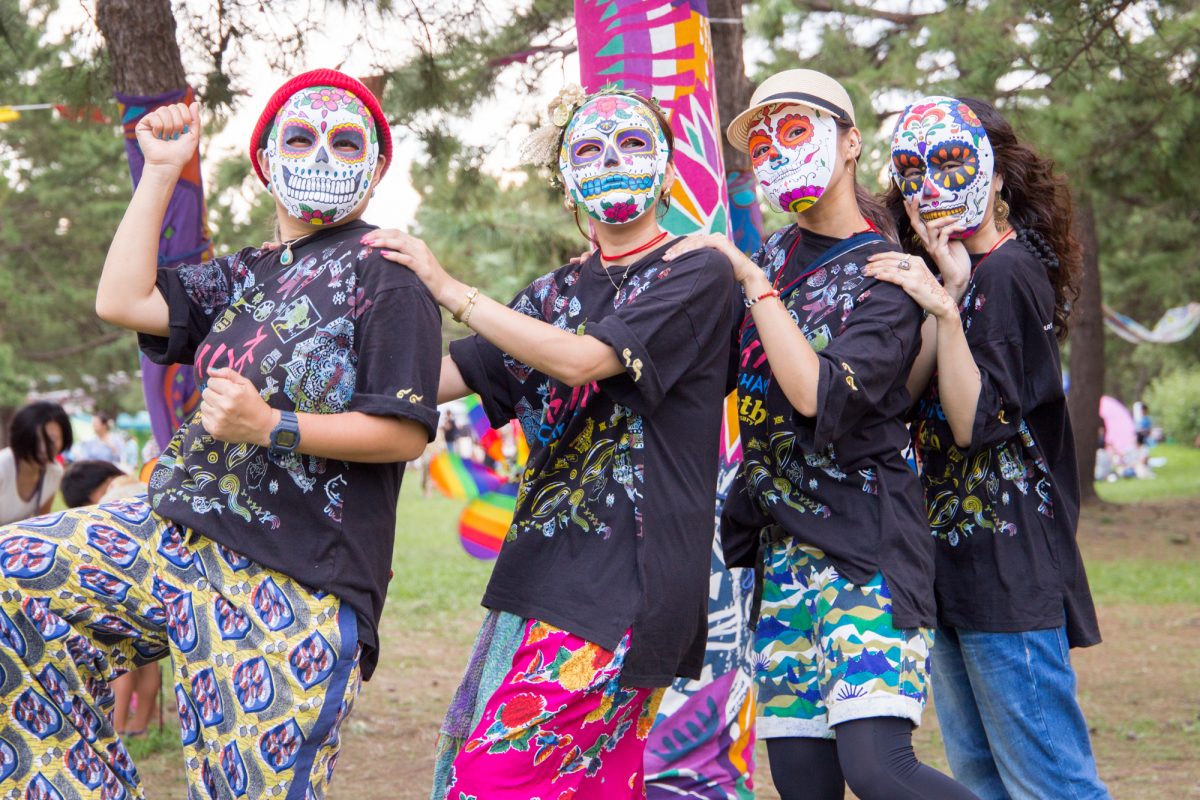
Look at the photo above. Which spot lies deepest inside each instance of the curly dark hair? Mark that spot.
(1040, 209)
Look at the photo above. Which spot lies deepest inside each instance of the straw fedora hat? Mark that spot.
(805, 87)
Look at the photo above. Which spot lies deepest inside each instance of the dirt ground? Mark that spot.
(1140, 689)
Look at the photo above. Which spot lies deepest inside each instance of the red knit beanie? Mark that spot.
(319, 77)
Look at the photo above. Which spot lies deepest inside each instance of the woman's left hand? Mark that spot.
(411, 252)
(912, 275)
(231, 410)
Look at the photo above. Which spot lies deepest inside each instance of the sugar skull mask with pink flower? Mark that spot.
(322, 154)
(941, 155)
(793, 149)
(614, 158)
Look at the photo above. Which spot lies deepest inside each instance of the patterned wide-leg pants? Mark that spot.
(265, 669)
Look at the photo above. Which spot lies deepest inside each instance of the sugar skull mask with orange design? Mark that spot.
(941, 155)
(793, 150)
(322, 154)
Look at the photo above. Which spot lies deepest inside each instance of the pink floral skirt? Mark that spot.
(559, 727)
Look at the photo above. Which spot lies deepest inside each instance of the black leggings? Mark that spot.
(874, 756)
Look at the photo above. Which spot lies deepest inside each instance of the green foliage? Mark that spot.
(65, 186)
(1174, 401)
(493, 235)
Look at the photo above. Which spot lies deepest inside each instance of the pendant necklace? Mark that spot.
(617, 286)
(287, 256)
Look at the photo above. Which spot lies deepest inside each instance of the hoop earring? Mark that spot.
(662, 207)
(1000, 214)
(574, 209)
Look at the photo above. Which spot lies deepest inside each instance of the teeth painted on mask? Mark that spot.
(595, 187)
(939, 213)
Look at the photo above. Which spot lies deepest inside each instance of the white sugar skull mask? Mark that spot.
(793, 150)
(614, 158)
(322, 154)
(941, 155)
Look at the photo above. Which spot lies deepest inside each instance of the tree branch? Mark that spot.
(75, 349)
(905, 19)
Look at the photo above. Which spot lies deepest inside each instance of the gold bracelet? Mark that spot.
(466, 317)
(472, 293)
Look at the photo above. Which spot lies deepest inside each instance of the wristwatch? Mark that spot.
(285, 436)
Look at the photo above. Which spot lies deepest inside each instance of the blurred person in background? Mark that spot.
(105, 446)
(29, 472)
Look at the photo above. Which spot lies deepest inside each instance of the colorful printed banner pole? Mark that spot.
(663, 48)
(702, 745)
(170, 391)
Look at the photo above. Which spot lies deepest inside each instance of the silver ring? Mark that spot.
(903, 264)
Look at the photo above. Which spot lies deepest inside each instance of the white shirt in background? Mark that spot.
(12, 507)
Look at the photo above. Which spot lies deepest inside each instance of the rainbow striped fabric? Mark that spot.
(461, 479)
(485, 521)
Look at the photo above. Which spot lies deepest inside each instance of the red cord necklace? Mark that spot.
(605, 257)
(999, 242)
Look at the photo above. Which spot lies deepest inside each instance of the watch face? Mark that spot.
(286, 439)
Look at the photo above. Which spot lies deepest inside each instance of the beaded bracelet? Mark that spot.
(466, 317)
(472, 293)
(763, 296)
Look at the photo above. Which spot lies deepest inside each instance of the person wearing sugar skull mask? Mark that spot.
(994, 439)
(825, 505)
(617, 368)
(259, 561)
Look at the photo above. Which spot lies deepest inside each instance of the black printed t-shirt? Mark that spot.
(613, 526)
(341, 329)
(1005, 509)
(837, 480)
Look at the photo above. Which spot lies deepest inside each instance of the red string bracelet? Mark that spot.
(763, 296)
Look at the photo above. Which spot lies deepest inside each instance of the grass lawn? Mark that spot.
(1180, 477)
(1140, 689)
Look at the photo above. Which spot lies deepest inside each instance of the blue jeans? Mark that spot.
(1013, 728)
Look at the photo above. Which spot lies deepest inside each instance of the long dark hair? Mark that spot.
(27, 432)
(869, 204)
(1040, 209)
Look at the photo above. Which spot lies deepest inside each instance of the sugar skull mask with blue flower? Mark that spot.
(322, 154)
(613, 158)
(941, 155)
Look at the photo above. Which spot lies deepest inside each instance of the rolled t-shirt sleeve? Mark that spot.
(1011, 330)
(196, 296)
(862, 364)
(399, 357)
(657, 335)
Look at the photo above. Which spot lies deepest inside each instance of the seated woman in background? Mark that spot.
(29, 473)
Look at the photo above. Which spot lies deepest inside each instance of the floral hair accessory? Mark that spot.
(569, 98)
(542, 146)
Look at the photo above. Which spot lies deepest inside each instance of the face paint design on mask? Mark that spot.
(941, 154)
(792, 149)
(613, 158)
(321, 154)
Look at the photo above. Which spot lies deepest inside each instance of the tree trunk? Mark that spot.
(733, 87)
(141, 41)
(1086, 362)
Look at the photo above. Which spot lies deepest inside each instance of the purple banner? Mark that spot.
(170, 391)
